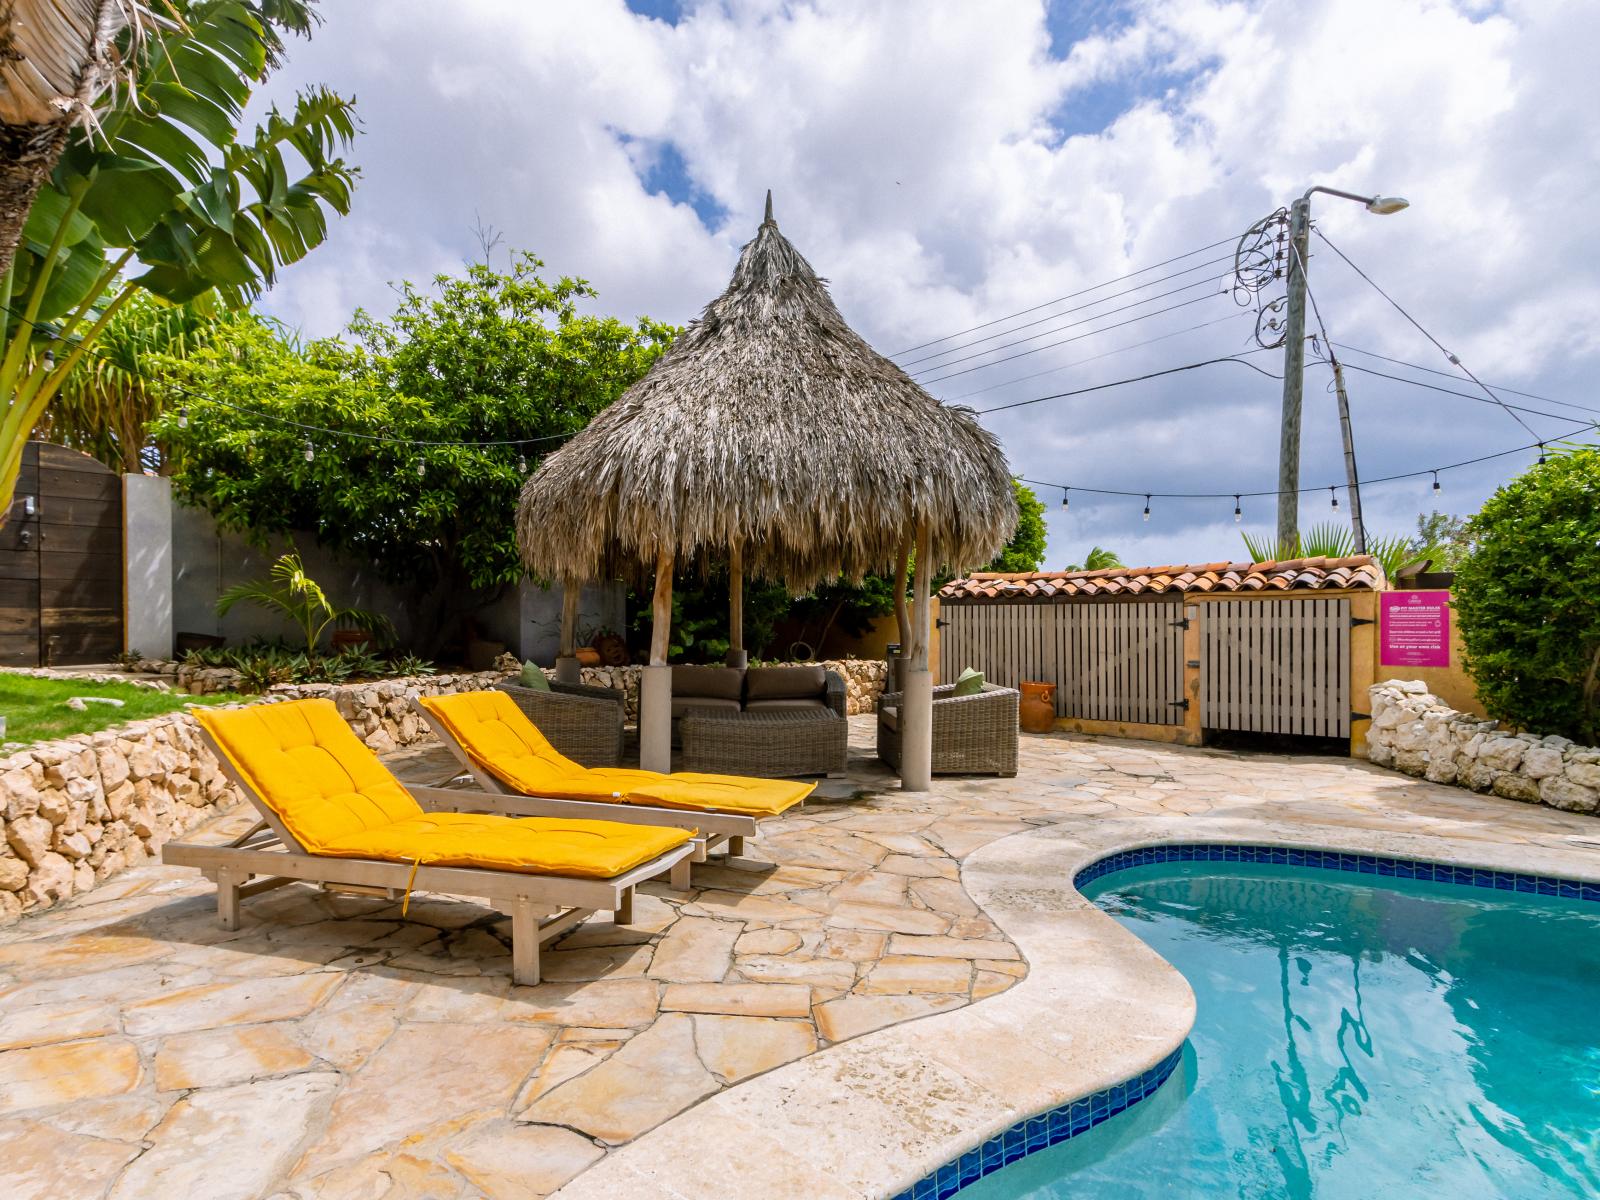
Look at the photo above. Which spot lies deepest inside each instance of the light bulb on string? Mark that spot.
(1238, 512)
(1147, 508)
(422, 468)
(183, 417)
(522, 461)
(1064, 499)
(1541, 454)
(49, 360)
(1436, 483)
(1333, 498)
(310, 451)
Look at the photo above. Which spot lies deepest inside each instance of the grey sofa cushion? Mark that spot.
(788, 704)
(784, 683)
(714, 683)
(889, 718)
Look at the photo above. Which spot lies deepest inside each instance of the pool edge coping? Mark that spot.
(879, 1114)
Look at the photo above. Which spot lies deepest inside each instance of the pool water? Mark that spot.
(1354, 1039)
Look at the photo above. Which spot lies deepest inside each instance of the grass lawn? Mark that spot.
(36, 709)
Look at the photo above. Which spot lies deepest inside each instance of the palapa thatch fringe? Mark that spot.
(770, 422)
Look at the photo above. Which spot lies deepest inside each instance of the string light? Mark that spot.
(49, 360)
(310, 451)
(1238, 512)
(522, 462)
(183, 417)
(1436, 483)
(1334, 497)
(422, 468)
(1541, 454)
(1147, 508)
(1064, 500)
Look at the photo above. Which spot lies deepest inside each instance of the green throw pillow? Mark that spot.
(968, 683)
(533, 677)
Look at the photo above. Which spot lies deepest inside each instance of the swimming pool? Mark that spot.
(1355, 1037)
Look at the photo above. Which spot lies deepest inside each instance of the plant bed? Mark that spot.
(36, 709)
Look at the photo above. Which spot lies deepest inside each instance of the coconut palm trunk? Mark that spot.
(56, 58)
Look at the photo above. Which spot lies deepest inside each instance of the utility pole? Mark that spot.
(1294, 370)
(1294, 366)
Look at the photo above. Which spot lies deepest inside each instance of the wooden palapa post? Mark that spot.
(916, 709)
(736, 654)
(567, 668)
(655, 681)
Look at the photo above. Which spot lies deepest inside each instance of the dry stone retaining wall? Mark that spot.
(1416, 732)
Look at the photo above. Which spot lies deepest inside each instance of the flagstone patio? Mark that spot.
(331, 1049)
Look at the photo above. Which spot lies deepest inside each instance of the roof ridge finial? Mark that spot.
(769, 220)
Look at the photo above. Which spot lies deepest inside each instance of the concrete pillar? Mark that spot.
(568, 669)
(147, 565)
(655, 718)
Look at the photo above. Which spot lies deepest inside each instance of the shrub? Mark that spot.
(1527, 600)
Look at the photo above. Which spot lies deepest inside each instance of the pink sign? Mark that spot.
(1415, 629)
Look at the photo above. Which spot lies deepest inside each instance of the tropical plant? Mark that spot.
(1526, 598)
(1099, 559)
(489, 357)
(107, 402)
(407, 665)
(1394, 553)
(1444, 538)
(291, 593)
(158, 180)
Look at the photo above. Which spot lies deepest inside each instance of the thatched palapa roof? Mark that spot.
(772, 424)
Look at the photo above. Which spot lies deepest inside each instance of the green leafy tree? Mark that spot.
(1527, 602)
(1025, 550)
(485, 357)
(160, 181)
(1443, 538)
(1099, 559)
(292, 594)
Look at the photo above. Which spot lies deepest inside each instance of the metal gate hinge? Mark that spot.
(1178, 704)
(1354, 621)
(1355, 716)
(1180, 624)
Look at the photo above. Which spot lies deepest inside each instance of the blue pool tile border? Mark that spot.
(1079, 1116)
(1338, 860)
(1036, 1133)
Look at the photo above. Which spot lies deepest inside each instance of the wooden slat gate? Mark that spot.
(1115, 660)
(61, 565)
(1276, 666)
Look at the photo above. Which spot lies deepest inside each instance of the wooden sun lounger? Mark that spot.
(541, 906)
(715, 828)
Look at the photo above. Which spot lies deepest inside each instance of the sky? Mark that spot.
(949, 165)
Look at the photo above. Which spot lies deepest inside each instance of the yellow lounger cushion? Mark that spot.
(498, 737)
(540, 845)
(309, 767)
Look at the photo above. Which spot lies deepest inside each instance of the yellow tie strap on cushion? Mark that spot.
(534, 845)
(411, 879)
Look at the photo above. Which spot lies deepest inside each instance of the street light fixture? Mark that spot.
(1294, 363)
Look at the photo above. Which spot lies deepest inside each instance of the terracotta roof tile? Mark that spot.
(1302, 574)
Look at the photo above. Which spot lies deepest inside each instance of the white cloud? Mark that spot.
(915, 158)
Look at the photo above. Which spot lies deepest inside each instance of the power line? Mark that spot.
(1453, 359)
(1075, 338)
(1110, 312)
(1100, 387)
(1069, 296)
(1210, 262)
(1246, 494)
(1433, 387)
(1233, 316)
(1499, 387)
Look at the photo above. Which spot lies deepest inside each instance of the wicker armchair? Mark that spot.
(581, 720)
(972, 735)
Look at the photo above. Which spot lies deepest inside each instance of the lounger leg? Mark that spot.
(735, 847)
(679, 879)
(524, 943)
(624, 913)
(228, 883)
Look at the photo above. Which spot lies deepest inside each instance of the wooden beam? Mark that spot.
(902, 616)
(922, 625)
(736, 597)
(570, 595)
(661, 610)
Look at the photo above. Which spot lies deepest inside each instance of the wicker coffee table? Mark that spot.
(769, 744)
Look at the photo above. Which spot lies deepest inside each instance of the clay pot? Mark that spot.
(1037, 712)
(587, 656)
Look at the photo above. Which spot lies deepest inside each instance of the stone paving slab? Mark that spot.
(335, 1049)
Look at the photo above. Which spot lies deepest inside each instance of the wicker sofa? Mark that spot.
(582, 721)
(972, 735)
(768, 721)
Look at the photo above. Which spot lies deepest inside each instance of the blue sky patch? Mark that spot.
(670, 11)
(662, 171)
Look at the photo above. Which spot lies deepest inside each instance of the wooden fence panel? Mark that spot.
(1276, 666)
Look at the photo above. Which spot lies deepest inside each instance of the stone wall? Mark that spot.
(1415, 732)
(78, 810)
